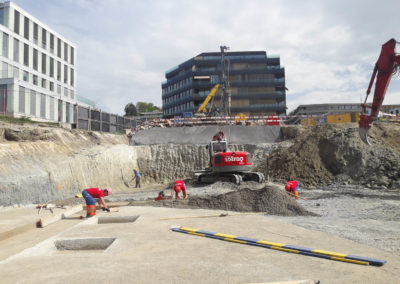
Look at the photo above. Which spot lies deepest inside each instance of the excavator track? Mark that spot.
(236, 178)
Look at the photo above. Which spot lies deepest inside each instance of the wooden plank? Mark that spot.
(58, 216)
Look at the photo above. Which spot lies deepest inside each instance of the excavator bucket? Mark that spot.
(364, 135)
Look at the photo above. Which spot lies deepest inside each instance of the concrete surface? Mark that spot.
(147, 251)
(203, 134)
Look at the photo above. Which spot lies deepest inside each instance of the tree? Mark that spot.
(146, 107)
(130, 110)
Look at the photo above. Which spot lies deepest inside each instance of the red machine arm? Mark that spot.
(387, 64)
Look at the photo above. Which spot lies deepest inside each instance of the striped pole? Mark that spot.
(282, 247)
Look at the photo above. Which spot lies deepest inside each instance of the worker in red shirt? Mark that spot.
(292, 188)
(178, 186)
(160, 196)
(90, 194)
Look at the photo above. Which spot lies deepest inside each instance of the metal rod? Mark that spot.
(282, 247)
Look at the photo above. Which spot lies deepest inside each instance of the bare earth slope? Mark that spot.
(329, 154)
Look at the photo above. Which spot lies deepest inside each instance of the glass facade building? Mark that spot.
(257, 84)
(38, 68)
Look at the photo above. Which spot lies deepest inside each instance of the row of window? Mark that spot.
(177, 85)
(38, 107)
(178, 108)
(39, 61)
(9, 71)
(178, 96)
(32, 32)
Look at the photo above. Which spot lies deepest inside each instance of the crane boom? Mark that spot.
(388, 62)
(202, 108)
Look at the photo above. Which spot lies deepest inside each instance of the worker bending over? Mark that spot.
(90, 194)
(178, 186)
(292, 188)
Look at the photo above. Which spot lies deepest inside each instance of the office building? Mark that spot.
(257, 84)
(38, 68)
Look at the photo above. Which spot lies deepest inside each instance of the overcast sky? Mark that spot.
(124, 47)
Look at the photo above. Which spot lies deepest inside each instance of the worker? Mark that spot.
(90, 194)
(178, 186)
(136, 177)
(161, 196)
(292, 188)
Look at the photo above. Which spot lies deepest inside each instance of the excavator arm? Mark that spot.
(203, 106)
(387, 64)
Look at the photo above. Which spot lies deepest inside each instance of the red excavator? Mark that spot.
(226, 165)
(388, 64)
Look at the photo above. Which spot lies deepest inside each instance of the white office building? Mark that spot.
(37, 68)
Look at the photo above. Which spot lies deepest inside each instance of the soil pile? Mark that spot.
(330, 154)
(270, 199)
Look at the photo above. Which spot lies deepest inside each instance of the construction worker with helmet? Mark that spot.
(292, 188)
(90, 194)
(178, 186)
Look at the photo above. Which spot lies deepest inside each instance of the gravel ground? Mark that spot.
(363, 215)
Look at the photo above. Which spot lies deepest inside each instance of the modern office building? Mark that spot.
(257, 84)
(38, 68)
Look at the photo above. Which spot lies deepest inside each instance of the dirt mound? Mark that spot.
(329, 154)
(270, 199)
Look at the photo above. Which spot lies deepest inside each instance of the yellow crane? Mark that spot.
(203, 107)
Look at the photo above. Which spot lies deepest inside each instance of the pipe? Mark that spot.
(282, 247)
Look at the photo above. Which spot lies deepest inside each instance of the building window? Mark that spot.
(35, 59)
(59, 48)
(51, 43)
(25, 76)
(58, 71)
(44, 35)
(35, 33)
(58, 89)
(51, 67)
(44, 83)
(4, 70)
(16, 50)
(72, 55)
(2, 16)
(21, 99)
(16, 22)
(65, 74)
(26, 28)
(33, 103)
(65, 51)
(26, 54)
(35, 80)
(43, 63)
(5, 45)
(51, 86)
(42, 106)
(72, 77)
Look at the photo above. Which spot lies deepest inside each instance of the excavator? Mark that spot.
(387, 65)
(225, 165)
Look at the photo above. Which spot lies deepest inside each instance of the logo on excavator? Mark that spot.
(233, 159)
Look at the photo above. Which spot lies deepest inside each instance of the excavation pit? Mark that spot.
(84, 244)
(118, 219)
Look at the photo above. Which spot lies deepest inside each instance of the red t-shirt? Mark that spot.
(180, 183)
(95, 192)
(293, 184)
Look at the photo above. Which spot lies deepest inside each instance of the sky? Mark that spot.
(124, 47)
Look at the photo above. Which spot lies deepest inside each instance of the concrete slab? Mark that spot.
(147, 251)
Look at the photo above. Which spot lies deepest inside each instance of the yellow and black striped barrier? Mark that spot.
(282, 247)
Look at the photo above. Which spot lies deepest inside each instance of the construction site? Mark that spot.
(349, 205)
(263, 200)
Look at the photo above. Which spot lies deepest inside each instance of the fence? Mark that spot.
(97, 120)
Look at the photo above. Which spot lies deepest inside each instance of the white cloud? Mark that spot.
(328, 48)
